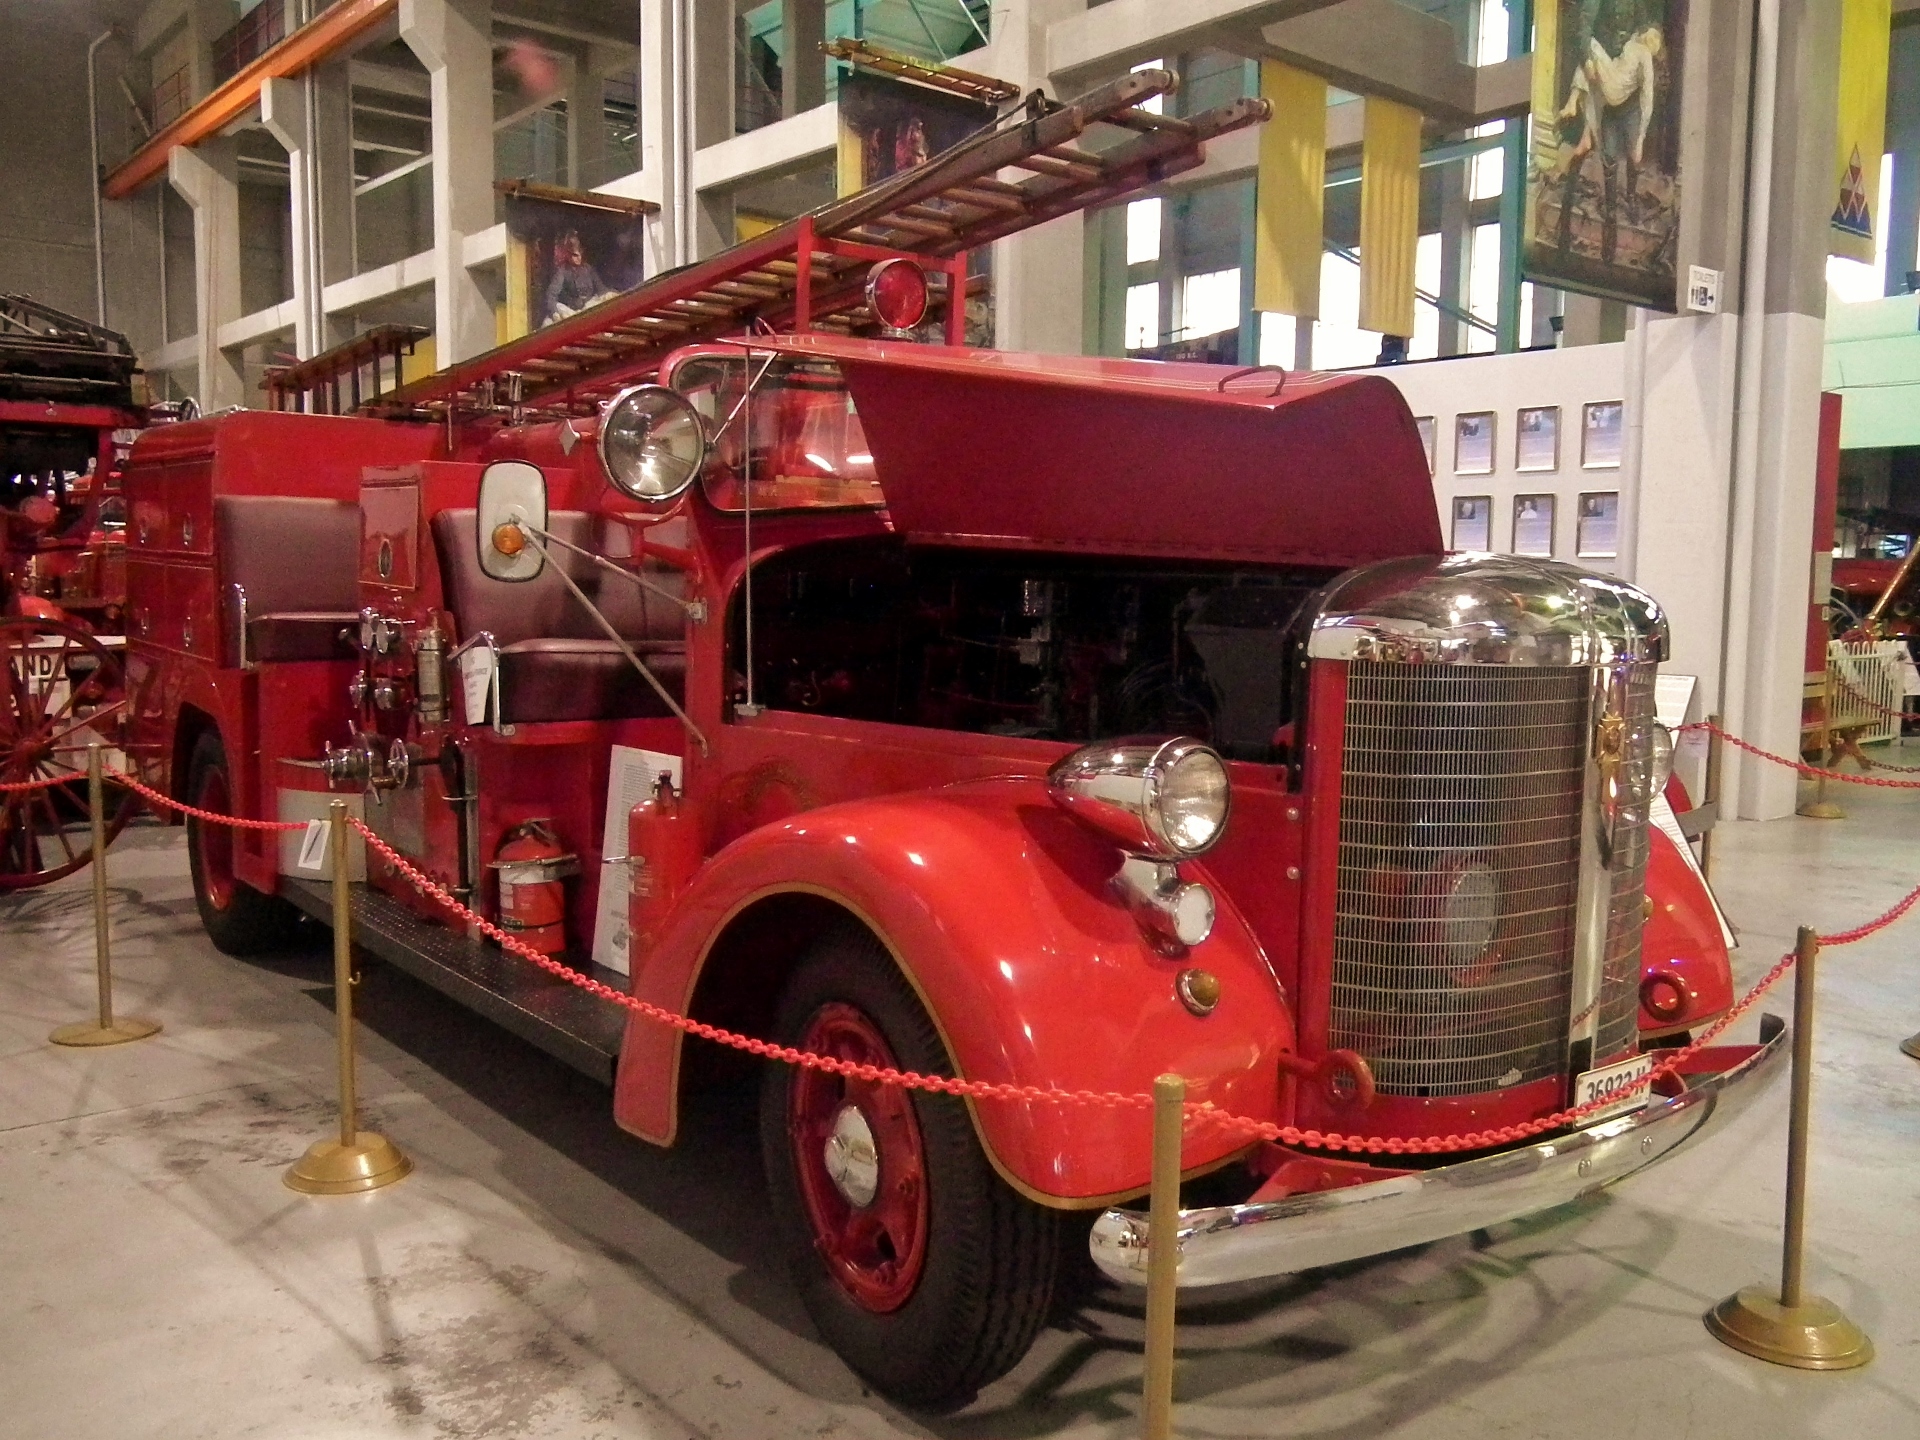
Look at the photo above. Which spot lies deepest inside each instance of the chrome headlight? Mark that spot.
(1662, 758)
(1161, 799)
(652, 442)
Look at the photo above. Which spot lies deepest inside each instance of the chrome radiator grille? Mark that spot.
(1458, 874)
(1619, 1017)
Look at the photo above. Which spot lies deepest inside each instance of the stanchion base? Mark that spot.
(330, 1168)
(1813, 1335)
(87, 1032)
(1821, 810)
(1911, 1046)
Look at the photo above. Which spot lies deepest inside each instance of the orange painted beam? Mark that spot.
(321, 37)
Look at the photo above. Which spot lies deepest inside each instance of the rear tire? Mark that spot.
(953, 1305)
(239, 919)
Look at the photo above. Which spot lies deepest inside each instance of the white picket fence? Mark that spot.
(1867, 679)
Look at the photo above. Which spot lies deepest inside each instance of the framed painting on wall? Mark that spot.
(1536, 439)
(1473, 443)
(1473, 522)
(1597, 533)
(1533, 525)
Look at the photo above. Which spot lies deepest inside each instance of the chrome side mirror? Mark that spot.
(513, 497)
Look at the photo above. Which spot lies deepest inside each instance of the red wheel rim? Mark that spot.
(213, 844)
(43, 736)
(869, 1135)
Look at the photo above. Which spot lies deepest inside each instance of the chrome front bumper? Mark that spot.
(1302, 1232)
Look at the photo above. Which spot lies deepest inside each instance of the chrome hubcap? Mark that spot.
(852, 1160)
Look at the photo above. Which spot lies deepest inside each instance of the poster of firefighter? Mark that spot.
(1603, 182)
(567, 251)
(889, 125)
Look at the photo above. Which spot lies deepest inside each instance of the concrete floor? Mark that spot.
(543, 1274)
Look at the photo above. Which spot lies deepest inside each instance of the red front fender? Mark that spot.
(1681, 942)
(996, 906)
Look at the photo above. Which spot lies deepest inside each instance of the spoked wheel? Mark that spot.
(64, 691)
(925, 1271)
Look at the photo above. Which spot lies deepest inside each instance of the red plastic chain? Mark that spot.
(1873, 704)
(1198, 1113)
(1800, 765)
(214, 816)
(45, 783)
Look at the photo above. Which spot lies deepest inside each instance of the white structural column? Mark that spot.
(207, 177)
(453, 39)
(1038, 275)
(1782, 336)
(284, 113)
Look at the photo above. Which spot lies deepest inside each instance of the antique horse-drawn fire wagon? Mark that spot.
(67, 414)
(1023, 718)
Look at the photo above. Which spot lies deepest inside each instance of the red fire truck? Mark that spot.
(1033, 719)
(68, 410)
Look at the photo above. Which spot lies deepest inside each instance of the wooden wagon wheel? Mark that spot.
(63, 690)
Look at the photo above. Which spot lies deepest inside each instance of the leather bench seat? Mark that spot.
(555, 662)
(562, 679)
(297, 560)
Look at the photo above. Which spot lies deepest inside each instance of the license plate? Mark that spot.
(1623, 1086)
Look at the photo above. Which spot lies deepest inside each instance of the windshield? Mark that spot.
(799, 431)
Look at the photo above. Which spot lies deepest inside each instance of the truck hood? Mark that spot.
(1137, 457)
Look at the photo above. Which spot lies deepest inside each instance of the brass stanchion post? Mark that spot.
(1794, 1328)
(108, 1031)
(1712, 796)
(1163, 1254)
(356, 1159)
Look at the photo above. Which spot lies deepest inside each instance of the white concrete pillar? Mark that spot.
(663, 131)
(207, 177)
(1038, 274)
(803, 78)
(333, 187)
(1782, 339)
(453, 39)
(284, 113)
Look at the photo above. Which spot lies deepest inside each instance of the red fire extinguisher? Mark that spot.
(530, 866)
(665, 848)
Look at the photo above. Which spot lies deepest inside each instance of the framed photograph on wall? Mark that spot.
(1536, 439)
(1600, 435)
(1597, 533)
(1473, 522)
(1425, 424)
(1473, 443)
(1533, 525)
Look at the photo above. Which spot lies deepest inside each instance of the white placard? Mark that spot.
(630, 779)
(478, 678)
(313, 846)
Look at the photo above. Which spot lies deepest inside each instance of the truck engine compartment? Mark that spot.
(1068, 648)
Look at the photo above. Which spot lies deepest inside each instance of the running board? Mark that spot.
(562, 1019)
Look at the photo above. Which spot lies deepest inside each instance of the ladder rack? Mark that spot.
(809, 272)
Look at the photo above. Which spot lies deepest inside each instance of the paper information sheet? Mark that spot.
(630, 780)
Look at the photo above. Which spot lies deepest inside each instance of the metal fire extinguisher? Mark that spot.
(530, 866)
(664, 847)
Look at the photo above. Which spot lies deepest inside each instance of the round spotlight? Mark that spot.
(652, 442)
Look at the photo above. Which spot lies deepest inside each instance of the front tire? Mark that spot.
(921, 1267)
(238, 918)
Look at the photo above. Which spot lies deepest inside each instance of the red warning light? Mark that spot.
(897, 294)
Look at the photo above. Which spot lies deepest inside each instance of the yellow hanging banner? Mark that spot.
(1291, 195)
(1389, 215)
(1865, 31)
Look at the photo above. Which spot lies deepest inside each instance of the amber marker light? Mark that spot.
(509, 539)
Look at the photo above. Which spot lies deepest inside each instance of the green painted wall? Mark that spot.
(1873, 359)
